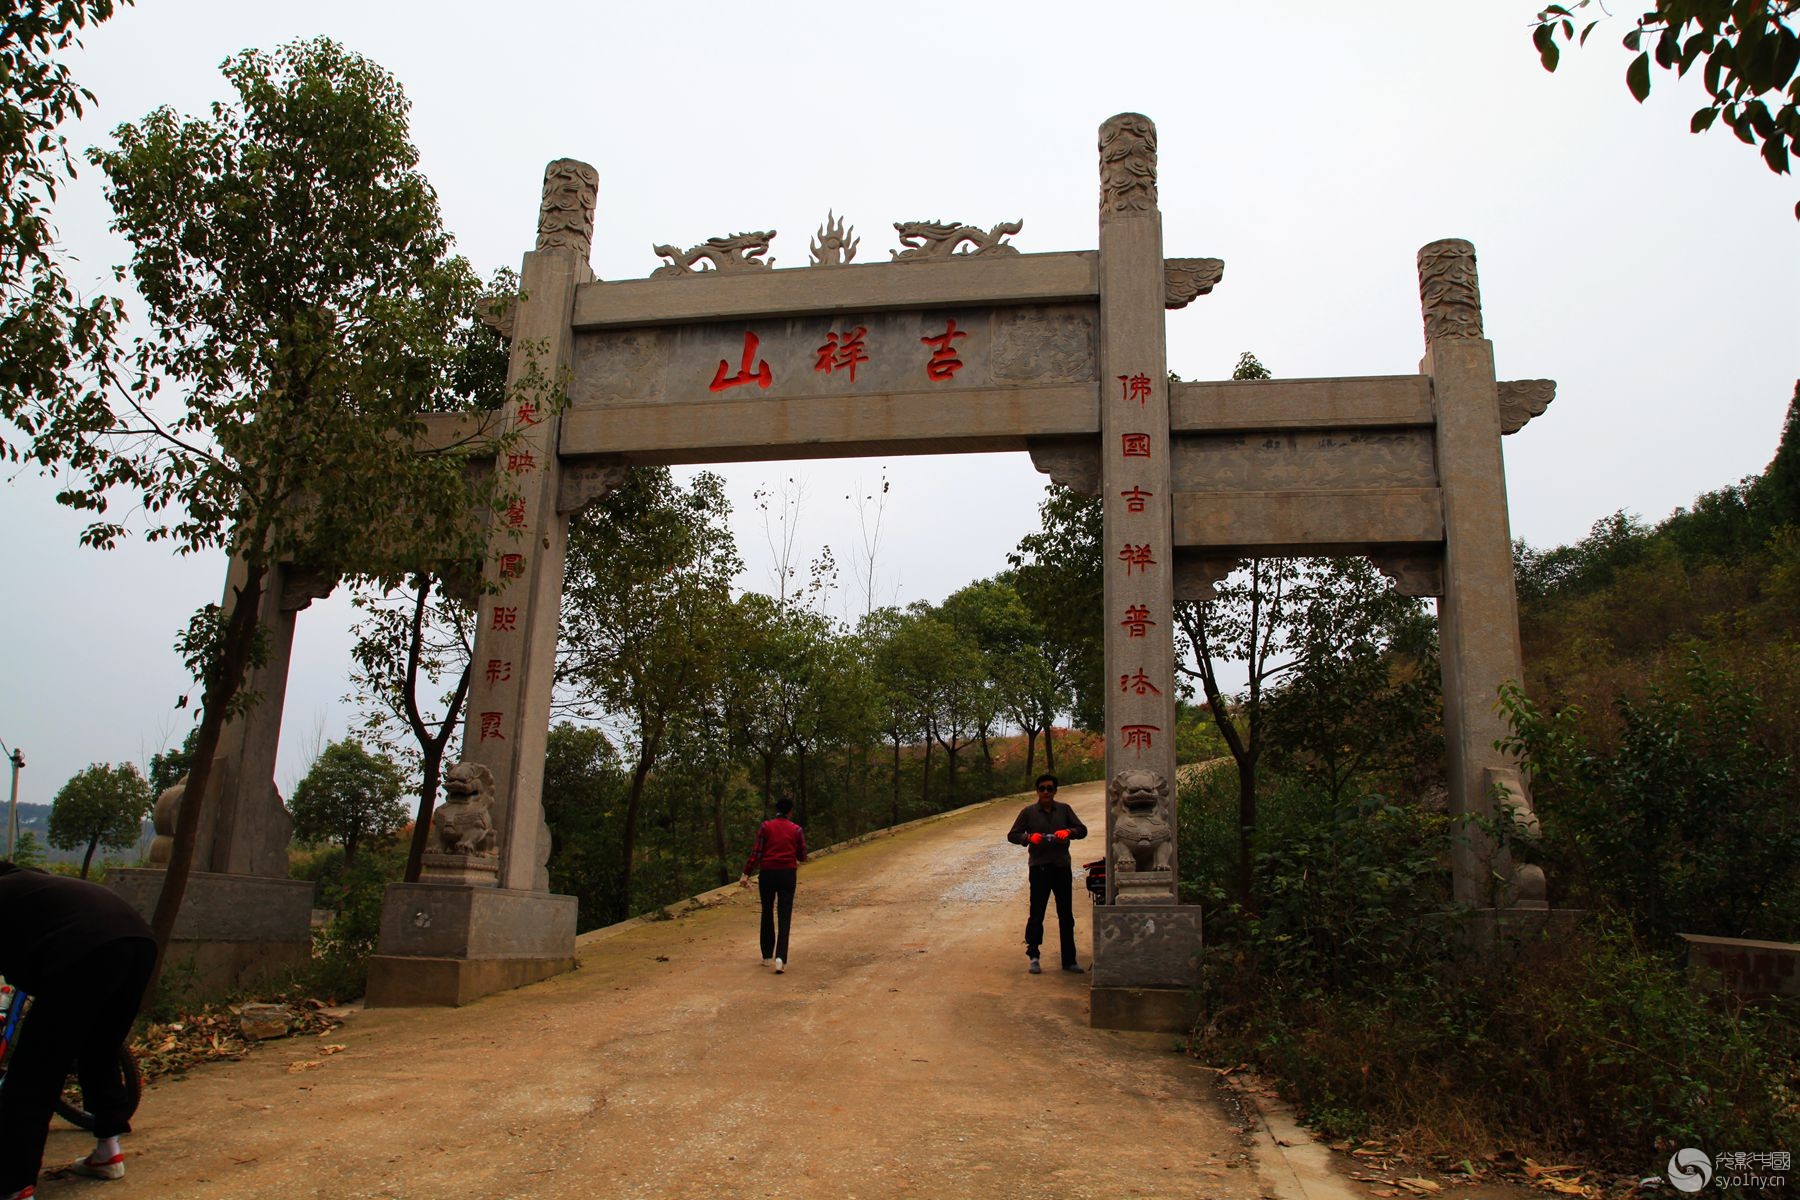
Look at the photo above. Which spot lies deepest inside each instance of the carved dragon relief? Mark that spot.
(738, 252)
(1523, 399)
(1186, 278)
(835, 243)
(566, 215)
(921, 240)
(1449, 291)
(1128, 164)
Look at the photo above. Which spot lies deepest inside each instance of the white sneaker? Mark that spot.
(780, 966)
(768, 962)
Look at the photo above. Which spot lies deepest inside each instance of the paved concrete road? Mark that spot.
(906, 1052)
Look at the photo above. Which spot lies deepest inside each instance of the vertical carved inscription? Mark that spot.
(1128, 164)
(1449, 293)
(566, 217)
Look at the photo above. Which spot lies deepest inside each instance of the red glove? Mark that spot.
(1062, 835)
(1037, 839)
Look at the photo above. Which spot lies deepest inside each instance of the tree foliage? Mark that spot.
(1746, 49)
(350, 796)
(55, 346)
(102, 806)
(303, 305)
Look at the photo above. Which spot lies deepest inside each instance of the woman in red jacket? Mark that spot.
(779, 850)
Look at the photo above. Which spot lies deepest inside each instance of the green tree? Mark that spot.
(406, 641)
(168, 766)
(101, 806)
(350, 795)
(584, 806)
(1057, 574)
(1247, 621)
(649, 573)
(302, 299)
(1748, 48)
(1364, 698)
(56, 348)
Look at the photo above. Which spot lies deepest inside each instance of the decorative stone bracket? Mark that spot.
(1186, 278)
(1523, 399)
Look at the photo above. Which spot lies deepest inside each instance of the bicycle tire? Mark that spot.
(134, 1092)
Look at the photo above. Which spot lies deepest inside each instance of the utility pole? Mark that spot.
(17, 758)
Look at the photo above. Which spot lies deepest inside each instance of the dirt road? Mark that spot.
(906, 1052)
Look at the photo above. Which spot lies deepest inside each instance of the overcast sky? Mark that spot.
(1313, 146)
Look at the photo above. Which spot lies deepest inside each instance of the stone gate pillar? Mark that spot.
(456, 934)
(1478, 615)
(241, 916)
(1146, 944)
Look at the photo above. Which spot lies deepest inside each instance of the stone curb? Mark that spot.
(1290, 1162)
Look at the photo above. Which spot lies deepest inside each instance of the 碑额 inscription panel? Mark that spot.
(869, 354)
(1304, 459)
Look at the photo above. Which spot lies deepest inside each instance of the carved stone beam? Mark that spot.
(497, 315)
(1186, 278)
(582, 483)
(1449, 292)
(1073, 464)
(566, 217)
(1523, 399)
(1196, 576)
(1413, 573)
(300, 586)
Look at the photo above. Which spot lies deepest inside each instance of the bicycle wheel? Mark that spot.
(70, 1110)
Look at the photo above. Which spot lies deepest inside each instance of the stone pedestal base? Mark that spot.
(1138, 888)
(1509, 932)
(459, 868)
(445, 944)
(1146, 967)
(233, 929)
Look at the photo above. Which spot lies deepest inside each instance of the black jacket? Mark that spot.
(1033, 818)
(50, 922)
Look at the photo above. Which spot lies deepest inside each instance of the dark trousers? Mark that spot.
(78, 1019)
(777, 889)
(1052, 879)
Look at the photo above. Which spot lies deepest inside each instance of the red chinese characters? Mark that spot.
(505, 619)
(515, 512)
(1139, 684)
(944, 362)
(1135, 445)
(527, 414)
(1134, 499)
(1137, 621)
(842, 351)
(521, 463)
(490, 727)
(749, 369)
(1139, 737)
(1134, 387)
(512, 566)
(499, 670)
(1137, 558)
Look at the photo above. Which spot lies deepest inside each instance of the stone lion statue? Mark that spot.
(464, 823)
(1142, 837)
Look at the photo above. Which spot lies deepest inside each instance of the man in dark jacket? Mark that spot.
(85, 956)
(1046, 829)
